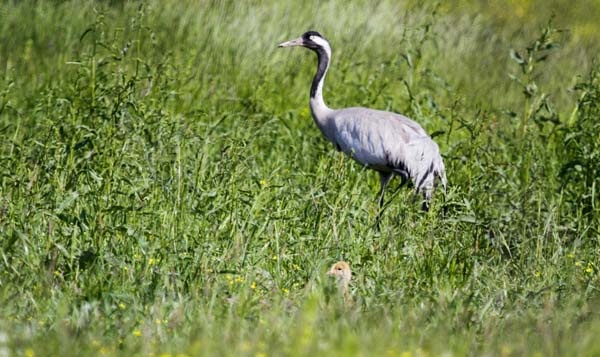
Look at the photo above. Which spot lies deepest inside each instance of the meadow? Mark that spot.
(165, 192)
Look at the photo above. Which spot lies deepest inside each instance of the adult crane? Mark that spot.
(386, 142)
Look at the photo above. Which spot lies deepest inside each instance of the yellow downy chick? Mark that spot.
(342, 274)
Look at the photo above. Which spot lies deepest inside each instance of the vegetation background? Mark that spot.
(164, 191)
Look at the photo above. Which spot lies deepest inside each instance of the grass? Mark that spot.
(163, 190)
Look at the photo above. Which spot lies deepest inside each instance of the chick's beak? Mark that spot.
(296, 42)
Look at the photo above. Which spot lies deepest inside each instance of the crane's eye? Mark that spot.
(338, 268)
(311, 37)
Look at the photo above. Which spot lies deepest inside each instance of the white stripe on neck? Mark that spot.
(317, 104)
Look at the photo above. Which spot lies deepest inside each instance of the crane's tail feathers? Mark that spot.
(442, 178)
(440, 173)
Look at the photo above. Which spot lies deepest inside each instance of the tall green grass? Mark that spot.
(163, 189)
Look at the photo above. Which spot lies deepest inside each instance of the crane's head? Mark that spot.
(310, 39)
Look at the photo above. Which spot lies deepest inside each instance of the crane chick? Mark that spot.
(342, 274)
(386, 142)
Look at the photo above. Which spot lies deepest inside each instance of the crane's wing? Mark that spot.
(387, 141)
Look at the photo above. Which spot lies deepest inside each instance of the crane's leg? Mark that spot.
(384, 178)
(425, 204)
(427, 192)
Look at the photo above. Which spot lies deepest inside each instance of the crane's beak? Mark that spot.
(296, 42)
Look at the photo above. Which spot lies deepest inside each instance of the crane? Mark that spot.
(386, 142)
(342, 274)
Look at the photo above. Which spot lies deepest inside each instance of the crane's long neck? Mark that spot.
(317, 105)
